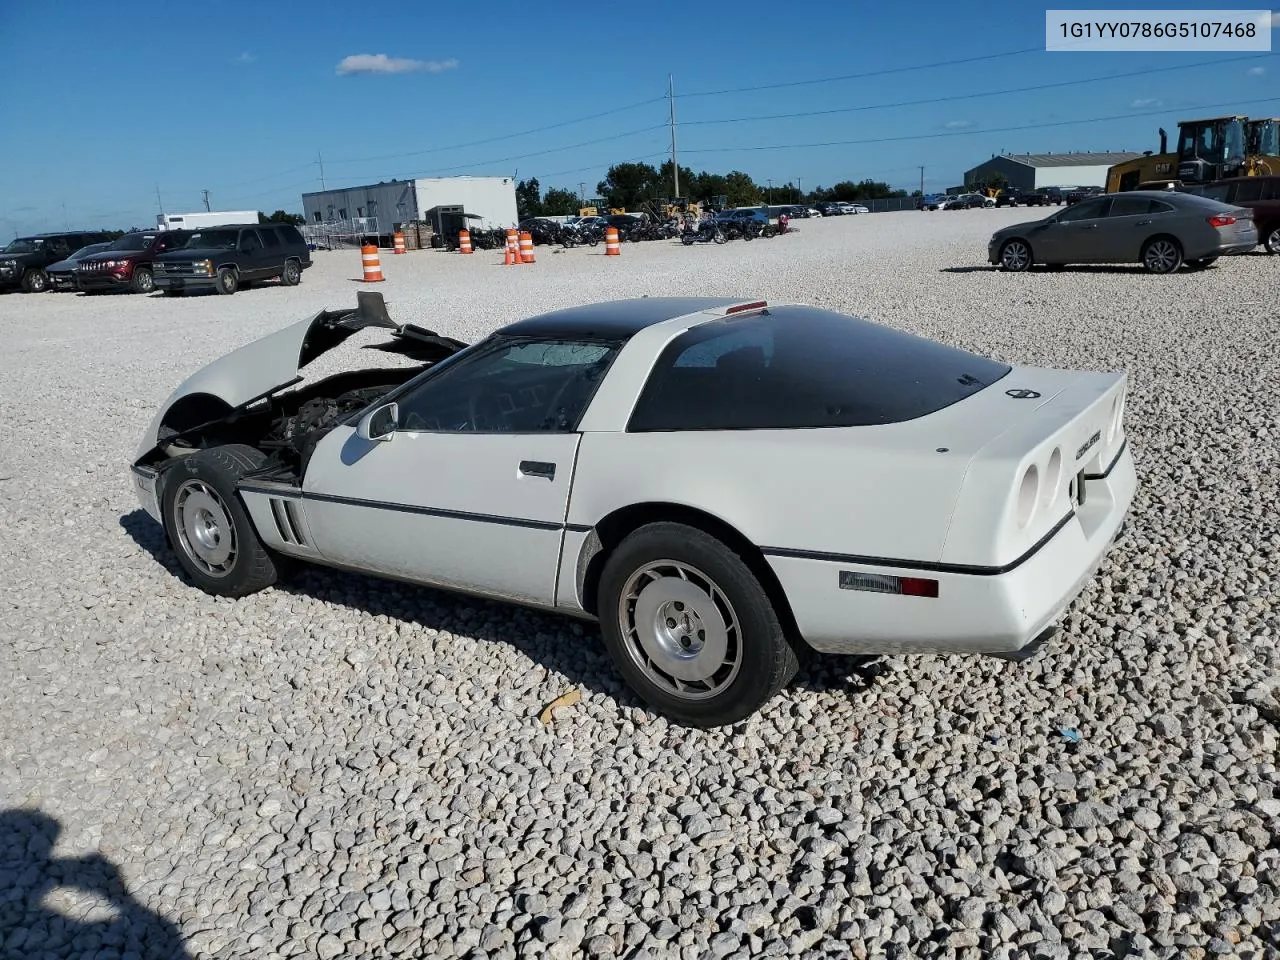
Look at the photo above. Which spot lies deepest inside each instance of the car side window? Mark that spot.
(1129, 207)
(1085, 210)
(1250, 189)
(1218, 191)
(269, 236)
(511, 386)
(1159, 206)
(249, 241)
(1272, 189)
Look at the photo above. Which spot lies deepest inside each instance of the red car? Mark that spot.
(126, 264)
(1260, 194)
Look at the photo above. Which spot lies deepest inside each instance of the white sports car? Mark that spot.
(717, 482)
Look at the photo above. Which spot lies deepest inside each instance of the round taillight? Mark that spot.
(1052, 477)
(1028, 490)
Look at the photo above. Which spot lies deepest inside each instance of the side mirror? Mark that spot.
(379, 423)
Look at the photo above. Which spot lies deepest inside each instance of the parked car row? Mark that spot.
(1163, 230)
(224, 259)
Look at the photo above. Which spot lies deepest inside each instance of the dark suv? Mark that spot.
(23, 261)
(226, 259)
(126, 264)
(1261, 195)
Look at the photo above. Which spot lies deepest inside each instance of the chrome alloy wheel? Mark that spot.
(1162, 257)
(204, 527)
(680, 629)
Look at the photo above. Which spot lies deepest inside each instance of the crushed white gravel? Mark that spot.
(349, 767)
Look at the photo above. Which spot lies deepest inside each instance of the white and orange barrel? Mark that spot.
(399, 243)
(464, 241)
(612, 247)
(372, 265)
(526, 247)
(513, 244)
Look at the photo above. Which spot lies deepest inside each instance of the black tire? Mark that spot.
(765, 660)
(35, 281)
(206, 481)
(171, 292)
(1202, 264)
(228, 281)
(1161, 255)
(142, 281)
(1271, 242)
(687, 239)
(291, 275)
(1015, 256)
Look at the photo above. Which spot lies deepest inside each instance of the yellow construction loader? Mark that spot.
(1208, 150)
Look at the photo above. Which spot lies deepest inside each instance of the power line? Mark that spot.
(974, 96)
(869, 73)
(970, 133)
(505, 136)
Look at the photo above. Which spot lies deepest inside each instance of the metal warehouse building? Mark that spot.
(441, 201)
(1028, 171)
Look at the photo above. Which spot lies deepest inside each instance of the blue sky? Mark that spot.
(104, 103)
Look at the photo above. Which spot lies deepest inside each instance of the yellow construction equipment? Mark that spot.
(1208, 150)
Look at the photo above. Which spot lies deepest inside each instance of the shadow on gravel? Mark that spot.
(117, 926)
(572, 648)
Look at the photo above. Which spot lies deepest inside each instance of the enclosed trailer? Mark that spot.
(195, 221)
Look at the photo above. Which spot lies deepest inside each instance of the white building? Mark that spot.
(442, 201)
(1030, 171)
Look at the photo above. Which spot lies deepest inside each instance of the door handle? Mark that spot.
(537, 468)
(1142, 223)
(1091, 226)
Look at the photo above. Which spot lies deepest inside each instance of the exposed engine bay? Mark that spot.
(286, 424)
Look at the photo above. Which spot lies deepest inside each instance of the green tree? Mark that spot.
(528, 198)
(281, 217)
(741, 190)
(628, 185)
(560, 203)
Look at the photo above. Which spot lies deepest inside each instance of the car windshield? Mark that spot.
(85, 251)
(213, 240)
(133, 241)
(24, 245)
(798, 367)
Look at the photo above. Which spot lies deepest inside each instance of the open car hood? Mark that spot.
(273, 363)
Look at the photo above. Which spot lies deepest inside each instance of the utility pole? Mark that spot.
(158, 200)
(582, 191)
(771, 190)
(320, 160)
(922, 181)
(65, 224)
(206, 201)
(799, 190)
(675, 166)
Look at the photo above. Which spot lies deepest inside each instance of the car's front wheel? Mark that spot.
(292, 273)
(228, 281)
(35, 281)
(208, 526)
(1015, 256)
(1272, 241)
(143, 281)
(691, 628)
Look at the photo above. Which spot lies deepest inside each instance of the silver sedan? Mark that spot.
(1160, 229)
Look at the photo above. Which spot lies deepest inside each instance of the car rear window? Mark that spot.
(796, 367)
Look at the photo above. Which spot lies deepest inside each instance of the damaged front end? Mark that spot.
(246, 396)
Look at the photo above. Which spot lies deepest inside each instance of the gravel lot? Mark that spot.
(353, 768)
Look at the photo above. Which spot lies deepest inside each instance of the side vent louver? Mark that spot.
(285, 514)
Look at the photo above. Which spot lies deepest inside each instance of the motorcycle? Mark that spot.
(708, 231)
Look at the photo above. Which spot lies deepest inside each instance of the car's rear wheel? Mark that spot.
(1271, 242)
(35, 281)
(690, 627)
(1015, 256)
(208, 526)
(228, 281)
(143, 281)
(1161, 255)
(292, 273)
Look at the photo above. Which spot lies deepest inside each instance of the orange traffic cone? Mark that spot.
(509, 258)
(513, 245)
(372, 265)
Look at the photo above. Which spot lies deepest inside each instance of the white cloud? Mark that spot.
(1257, 71)
(246, 57)
(1147, 102)
(381, 63)
(958, 124)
